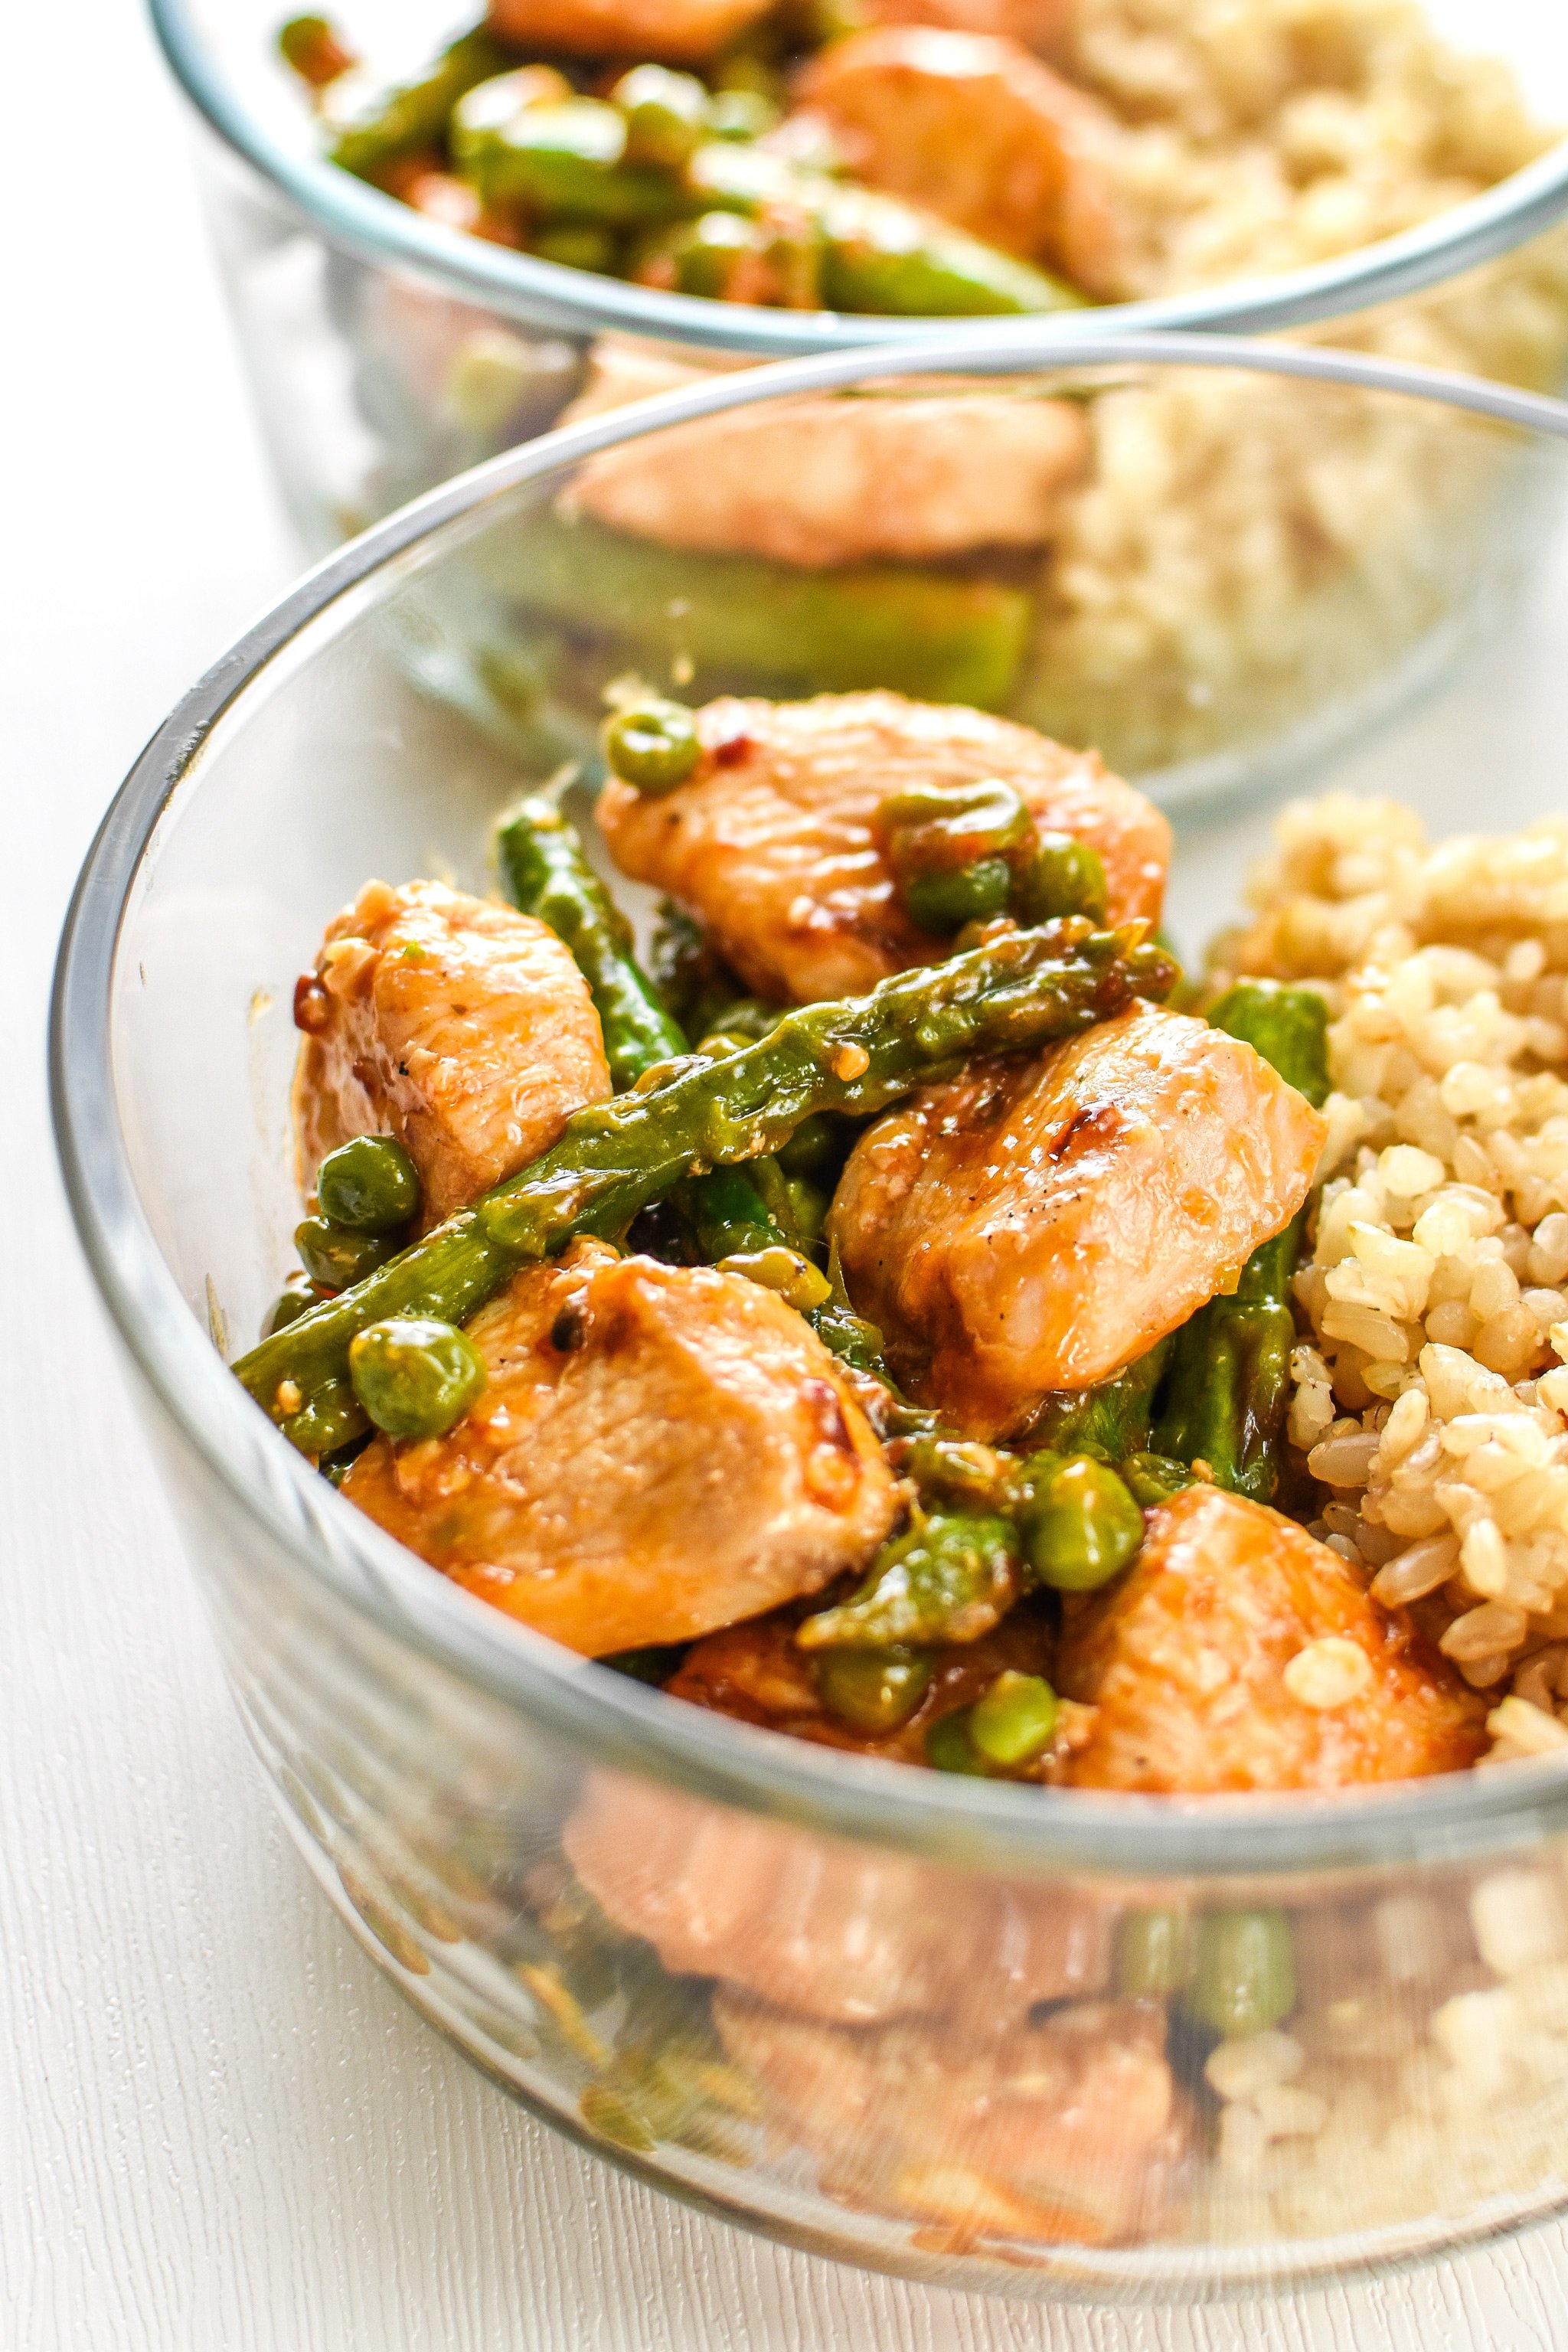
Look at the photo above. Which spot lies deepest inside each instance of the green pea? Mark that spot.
(1152, 1478)
(314, 49)
(1154, 1954)
(941, 903)
(652, 745)
(369, 1185)
(1014, 1720)
(949, 1747)
(1081, 1525)
(415, 1376)
(336, 1258)
(666, 114)
(287, 1307)
(576, 245)
(874, 1690)
(1244, 1971)
(740, 114)
(1060, 876)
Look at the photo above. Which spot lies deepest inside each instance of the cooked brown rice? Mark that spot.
(1432, 1400)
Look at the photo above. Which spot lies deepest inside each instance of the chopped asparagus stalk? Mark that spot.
(547, 876)
(948, 1579)
(934, 634)
(882, 256)
(1230, 1367)
(1112, 1420)
(372, 126)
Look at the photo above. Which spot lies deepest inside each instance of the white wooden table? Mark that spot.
(220, 2131)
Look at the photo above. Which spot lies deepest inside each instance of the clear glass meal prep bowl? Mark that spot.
(433, 1760)
(387, 353)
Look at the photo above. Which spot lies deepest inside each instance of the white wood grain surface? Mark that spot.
(220, 2131)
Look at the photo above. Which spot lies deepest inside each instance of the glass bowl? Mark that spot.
(915, 2022)
(387, 353)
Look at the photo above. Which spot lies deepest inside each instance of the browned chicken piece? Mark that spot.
(1038, 1225)
(464, 1029)
(842, 1932)
(678, 32)
(1067, 2130)
(1043, 26)
(1239, 1652)
(659, 1450)
(826, 480)
(757, 1673)
(977, 130)
(772, 845)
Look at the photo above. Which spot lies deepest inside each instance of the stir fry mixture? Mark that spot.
(886, 1318)
(926, 157)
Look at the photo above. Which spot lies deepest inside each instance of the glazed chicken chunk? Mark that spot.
(1038, 1225)
(1069, 2129)
(772, 845)
(980, 132)
(659, 1450)
(826, 480)
(1040, 25)
(679, 32)
(464, 1029)
(831, 1931)
(1239, 1652)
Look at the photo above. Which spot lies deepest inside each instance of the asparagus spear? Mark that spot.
(614, 1158)
(933, 635)
(563, 161)
(880, 256)
(1112, 1420)
(547, 875)
(1230, 1367)
(948, 1579)
(371, 125)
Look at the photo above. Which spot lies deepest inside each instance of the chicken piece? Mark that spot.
(660, 1450)
(771, 843)
(1239, 1652)
(1043, 26)
(758, 1673)
(464, 1029)
(1067, 2130)
(677, 32)
(832, 1931)
(977, 130)
(1038, 1225)
(828, 480)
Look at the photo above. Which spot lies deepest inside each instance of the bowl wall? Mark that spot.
(386, 354)
(964, 2030)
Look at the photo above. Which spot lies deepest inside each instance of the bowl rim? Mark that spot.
(978, 1822)
(378, 229)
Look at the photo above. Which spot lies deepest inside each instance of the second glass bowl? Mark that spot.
(388, 352)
